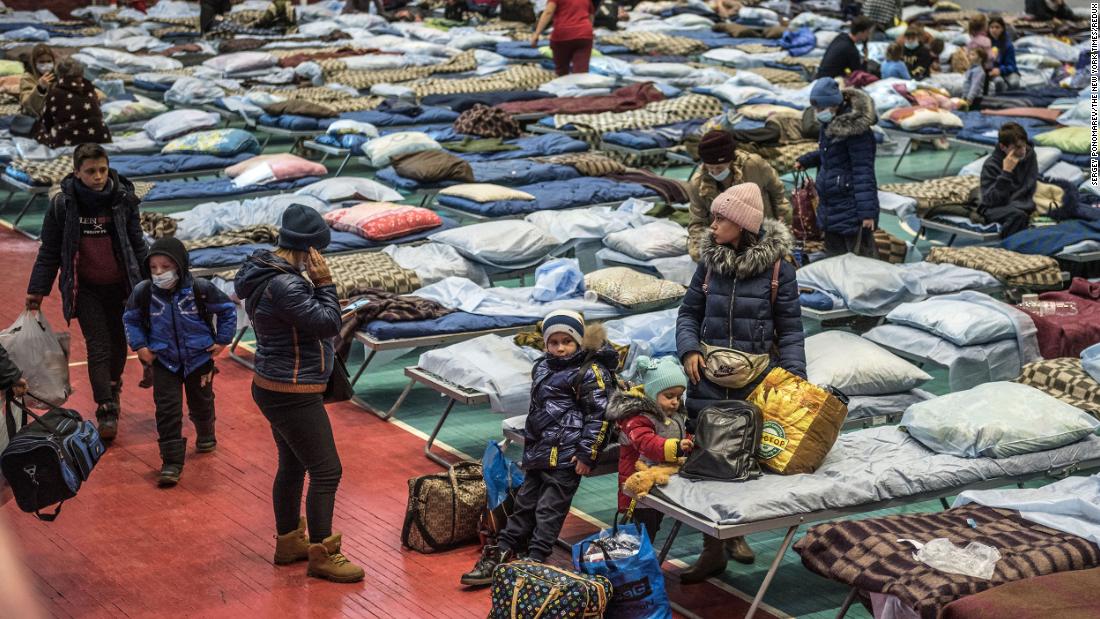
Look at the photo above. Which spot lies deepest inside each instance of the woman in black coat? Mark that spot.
(296, 321)
(729, 304)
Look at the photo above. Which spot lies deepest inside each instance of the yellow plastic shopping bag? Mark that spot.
(801, 422)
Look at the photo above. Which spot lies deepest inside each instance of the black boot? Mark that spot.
(482, 574)
(107, 421)
(205, 441)
(171, 456)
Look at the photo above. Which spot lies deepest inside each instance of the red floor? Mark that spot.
(125, 548)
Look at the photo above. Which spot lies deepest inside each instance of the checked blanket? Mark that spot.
(1065, 379)
(655, 43)
(358, 273)
(1024, 270)
(666, 112)
(866, 554)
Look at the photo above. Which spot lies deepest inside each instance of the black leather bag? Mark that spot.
(339, 387)
(727, 435)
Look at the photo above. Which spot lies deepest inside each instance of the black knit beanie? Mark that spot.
(303, 228)
(174, 249)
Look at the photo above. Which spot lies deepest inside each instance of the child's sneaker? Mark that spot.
(482, 574)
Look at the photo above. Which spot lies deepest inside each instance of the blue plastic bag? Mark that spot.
(558, 279)
(501, 474)
(638, 586)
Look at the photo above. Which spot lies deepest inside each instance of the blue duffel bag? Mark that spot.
(48, 459)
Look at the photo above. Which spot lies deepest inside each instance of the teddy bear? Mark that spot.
(639, 484)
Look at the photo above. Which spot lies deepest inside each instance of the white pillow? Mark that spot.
(661, 69)
(342, 126)
(578, 80)
(659, 239)
(241, 62)
(857, 366)
(382, 150)
(500, 242)
(178, 122)
(996, 420)
(959, 322)
(737, 95)
(258, 174)
(485, 192)
(344, 188)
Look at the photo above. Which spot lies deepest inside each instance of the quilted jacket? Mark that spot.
(735, 311)
(296, 324)
(566, 417)
(845, 160)
(645, 433)
(61, 238)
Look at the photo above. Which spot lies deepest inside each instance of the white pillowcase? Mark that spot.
(178, 122)
(661, 69)
(499, 242)
(343, 188)
(241, 62)
(996, 420)
(485, 192)
(659, 239)
(343, 126)
(382, 150)
(857, 366)
(959, 322)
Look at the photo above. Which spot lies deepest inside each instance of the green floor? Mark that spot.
(795, 590)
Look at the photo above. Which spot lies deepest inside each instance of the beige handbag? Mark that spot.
(729, 367)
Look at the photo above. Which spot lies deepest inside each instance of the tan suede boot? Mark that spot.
(711, 562)
(293, 546)
(325, 561)
(738, 549)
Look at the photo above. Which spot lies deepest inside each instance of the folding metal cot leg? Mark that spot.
(847, 603)
(951, 240)
(343, 164)
(756, 601)
(440, 460)
(393, 409)
(904, 152)
(19, 217)
(947, 166)
(324, 158)
(263, 145)
(233, 349)
(667, 547)
(943, 502)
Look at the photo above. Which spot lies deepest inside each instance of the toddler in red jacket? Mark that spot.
(652, 426)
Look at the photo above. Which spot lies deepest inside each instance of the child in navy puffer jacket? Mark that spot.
(565, 432)
(169, 323)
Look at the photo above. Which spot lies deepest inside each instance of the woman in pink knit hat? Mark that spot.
(743, 296)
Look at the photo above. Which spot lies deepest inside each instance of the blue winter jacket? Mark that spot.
(566, 417)
(1006, 55)
(734, 310)
(846, 186)
(176, 333)
(295, 322)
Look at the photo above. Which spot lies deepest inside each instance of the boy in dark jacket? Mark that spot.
(169, 325)
(845, 160)
(565, 432)
(652, 424)
(1009, 179)
(92, 234)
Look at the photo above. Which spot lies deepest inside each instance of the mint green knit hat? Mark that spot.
(659, 374)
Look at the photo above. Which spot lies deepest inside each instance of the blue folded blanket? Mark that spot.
(554, 195)
(148, 165)
(217, 188)
(455, 322)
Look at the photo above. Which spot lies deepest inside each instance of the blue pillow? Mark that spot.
(220, 142)
(959, 322)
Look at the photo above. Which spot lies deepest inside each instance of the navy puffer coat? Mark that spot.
(735, 311)
(845, 162)
(296, 324)
(566, 417)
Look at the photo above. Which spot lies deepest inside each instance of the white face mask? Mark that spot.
(166, 280)
(45, 68)
(721, 176)
(825, 116)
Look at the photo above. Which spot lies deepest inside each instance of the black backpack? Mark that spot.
(47, 460)
(202, 289)
(727, 435)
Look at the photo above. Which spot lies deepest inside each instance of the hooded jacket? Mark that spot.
(168, 322)
(296, 324)
(735, 311)
(745, 168)
(568, 399)
(646, 433)
(1015, 188)
(61, 239)
(847, 189)
(31, 97)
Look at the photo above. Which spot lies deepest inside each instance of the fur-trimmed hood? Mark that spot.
(775, 243)
(859, 117)
(632, 402)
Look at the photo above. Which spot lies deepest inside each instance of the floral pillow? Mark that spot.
(220, 142)
(632, 289)
(379, 221)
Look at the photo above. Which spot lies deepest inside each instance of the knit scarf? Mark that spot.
(92, 199)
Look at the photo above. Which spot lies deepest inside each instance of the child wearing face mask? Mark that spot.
(170, 322)
(916, 55)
